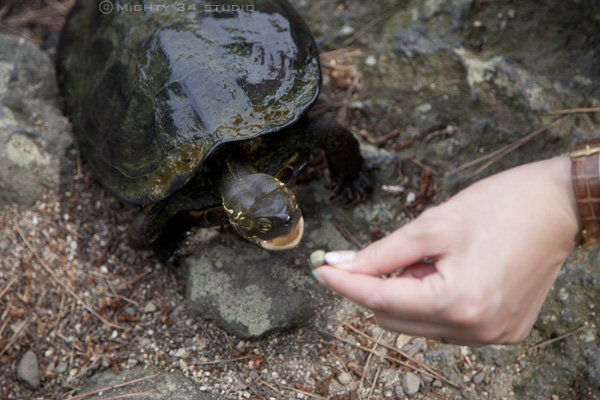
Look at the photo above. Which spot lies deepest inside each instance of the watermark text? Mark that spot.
(107, 7)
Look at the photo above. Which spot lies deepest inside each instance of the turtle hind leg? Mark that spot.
(168, 245)
(147, 226)
(350, 172)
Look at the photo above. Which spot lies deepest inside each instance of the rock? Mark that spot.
(498, 355)
(411, 384)
(255, 291)
(28, 371)
(479, 378)
(317, 258)
(33, 134)
(62, 367)
(249, 291)
(443, 356)
(399, 392)
(344, 378)
(164, 386)
(416, 345)
(150, 308)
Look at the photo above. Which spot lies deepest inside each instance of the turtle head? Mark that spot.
(265, 211)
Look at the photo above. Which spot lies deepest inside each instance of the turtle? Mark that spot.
(194, 110)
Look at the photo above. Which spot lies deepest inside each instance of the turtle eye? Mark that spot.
(263, 224)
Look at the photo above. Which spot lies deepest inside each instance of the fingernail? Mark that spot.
(339, 257)
(316, 275)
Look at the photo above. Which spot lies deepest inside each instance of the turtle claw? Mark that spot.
(356, 189)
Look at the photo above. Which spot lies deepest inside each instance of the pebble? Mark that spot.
(411, 384)
(399, 392)
(28, 371)
(106, 362)
(344, 378)
(479, 378)
(150, 308)
(62, 367)
(317, 258)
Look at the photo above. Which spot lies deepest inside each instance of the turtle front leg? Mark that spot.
(349, 170)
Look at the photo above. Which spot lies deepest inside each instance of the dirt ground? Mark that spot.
(74, 293)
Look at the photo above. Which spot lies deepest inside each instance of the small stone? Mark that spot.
(344, 378)
(62, 367)
(371, 60)
(150, 308)
(106, 362)
(437, 384)
(346, 30)
(411, 384)
(399, 392)
(317, 258)
(182, 353)
(426, 378)
(28, 371)
(479, 378)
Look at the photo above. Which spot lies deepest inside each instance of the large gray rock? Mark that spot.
(164, 386)
(33, 133)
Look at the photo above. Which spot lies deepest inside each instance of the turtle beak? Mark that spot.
(285, 242)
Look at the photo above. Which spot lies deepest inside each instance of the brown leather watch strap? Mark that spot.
(586, 183)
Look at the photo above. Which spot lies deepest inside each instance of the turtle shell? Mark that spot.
(153, 90)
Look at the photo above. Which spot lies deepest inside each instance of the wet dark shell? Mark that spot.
(153, 90)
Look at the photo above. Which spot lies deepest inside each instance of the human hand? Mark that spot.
(494, 248)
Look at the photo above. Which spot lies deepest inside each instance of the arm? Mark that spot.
(496, 246)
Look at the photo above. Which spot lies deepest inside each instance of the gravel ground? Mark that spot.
(72, 292)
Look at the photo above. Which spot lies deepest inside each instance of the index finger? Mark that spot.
(407, 297)
(425, 237)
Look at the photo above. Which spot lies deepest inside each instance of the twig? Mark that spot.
(404, 363)
(374, 382)
(368, 26)
(344, 110)
(7, 286)
(347, 234)
(380, 140)
(39, 16)
(222, 361)
(16, 336)
(397, 350)
(124, 396)
(339, 53)
(111, 387)
(501, 152)
(58, 6)
(556, 339)
(309, 394)
(574, 111)
(425, 167)
(369, 357)
(61, 283)
(263, 382)
(450, 129)
(435, 375)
